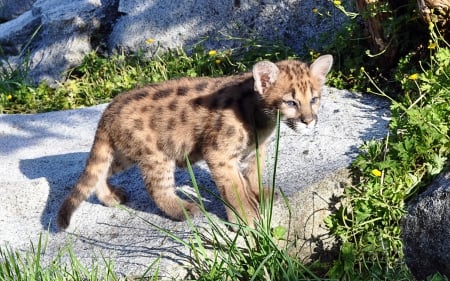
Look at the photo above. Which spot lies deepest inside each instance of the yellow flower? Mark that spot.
(337, 2)
(413, 76)
(376, 172)
(150, 41)
(9, 97)
(432, 46)
(212, 53)
(218, 61)
(315, 10)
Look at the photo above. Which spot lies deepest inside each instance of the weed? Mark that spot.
(389, 172)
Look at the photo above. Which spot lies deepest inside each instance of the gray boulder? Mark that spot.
(426, 230)
(53, 36)
(11, 9)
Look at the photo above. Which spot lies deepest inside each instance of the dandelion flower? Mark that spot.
(376, 172)
(432, 46)
(413, 76)
(218, 61)
(212, 53)
(150, 41)
(337, 2)
(315, 10)
(9, 97)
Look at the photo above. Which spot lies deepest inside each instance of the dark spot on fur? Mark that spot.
(160, 145)
(218, 124)
(146, 109)
(139, 124)
(139, 96)
(148, 151)
(171, 124)
(234, 156)
(201, 86)
(231, 131)
(170, 146)
(162, 94)
(222, 164)
(197, 102)
(215, 145)
(182, 91)
(173, 105)
(183, 116)
(153, 123)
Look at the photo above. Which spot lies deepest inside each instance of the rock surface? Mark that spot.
(42, 155)
(56, 35)
(11, 9)
(426, 230)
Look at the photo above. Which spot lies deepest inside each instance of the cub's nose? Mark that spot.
(306, 119)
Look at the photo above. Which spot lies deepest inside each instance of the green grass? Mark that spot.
(16, 265)
(98, 79)
(390, 172)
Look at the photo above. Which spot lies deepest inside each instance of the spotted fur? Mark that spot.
(214, 119)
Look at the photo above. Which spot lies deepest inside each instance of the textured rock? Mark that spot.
(426, 230)
(305, 216)
(56, 34)
(65, 36)
(10, 9)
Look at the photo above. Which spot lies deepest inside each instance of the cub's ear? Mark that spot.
(265, 74)
(321, 66)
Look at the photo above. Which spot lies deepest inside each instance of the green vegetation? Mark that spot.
(387, 173)
(65, 266)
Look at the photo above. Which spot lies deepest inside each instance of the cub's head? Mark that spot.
(293, 87)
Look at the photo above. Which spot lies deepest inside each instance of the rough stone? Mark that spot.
(304, 216)
(11, 9)
(426, 230)
(66, 31)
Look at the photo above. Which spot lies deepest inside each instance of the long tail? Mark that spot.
(95, 172)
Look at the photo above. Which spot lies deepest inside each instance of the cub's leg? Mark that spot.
(93, 178)
(158, 173)
(233, 187)
(120, 163)
(251, 173)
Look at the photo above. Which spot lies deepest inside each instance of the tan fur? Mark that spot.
(213, 119)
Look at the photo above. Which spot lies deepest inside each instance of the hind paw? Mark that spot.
(116, 196)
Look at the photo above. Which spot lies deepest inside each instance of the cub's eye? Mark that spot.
(290, 103)
(314, 100)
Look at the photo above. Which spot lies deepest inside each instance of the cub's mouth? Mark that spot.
(296, 123)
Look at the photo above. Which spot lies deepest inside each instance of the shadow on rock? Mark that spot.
(62, 171)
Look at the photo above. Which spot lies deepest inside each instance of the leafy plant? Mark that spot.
(389, 172)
